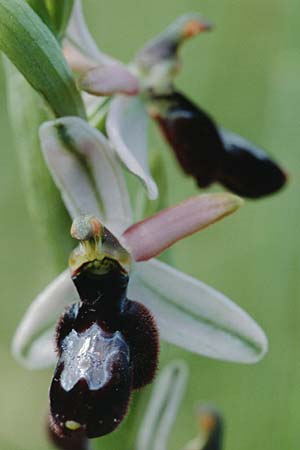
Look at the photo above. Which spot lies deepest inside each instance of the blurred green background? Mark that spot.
(246, 73)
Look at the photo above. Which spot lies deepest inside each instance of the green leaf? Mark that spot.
(27, 112)
(33, 49)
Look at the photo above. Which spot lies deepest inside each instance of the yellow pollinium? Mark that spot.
(72, 425)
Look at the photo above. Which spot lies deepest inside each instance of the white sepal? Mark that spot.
(126, 125)
(79, 36)
(33, 342)
(86, 170)
(68, 171)
(195, 316)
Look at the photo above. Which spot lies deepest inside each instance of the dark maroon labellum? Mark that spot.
(192, 135)
(247, 170)
(107, 346)
(210, 154)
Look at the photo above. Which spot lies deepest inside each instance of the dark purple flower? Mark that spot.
(211, 154)
(107, 344)
(203, 150)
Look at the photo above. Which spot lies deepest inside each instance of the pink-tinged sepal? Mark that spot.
(153, 235)
(108, 80)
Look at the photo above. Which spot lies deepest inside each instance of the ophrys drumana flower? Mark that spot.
(204, 150)
(107, 344)
(188, 313)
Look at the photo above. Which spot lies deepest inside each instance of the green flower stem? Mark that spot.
(27, 112)
(54, 13)
(143, 207)
(159, 174)
(33, 49)
(35, 52)
(60, 11)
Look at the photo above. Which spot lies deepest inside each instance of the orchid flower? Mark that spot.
(145, 87)
(189, 313)
(117, 297)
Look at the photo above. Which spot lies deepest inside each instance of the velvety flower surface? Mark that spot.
(107, 344)
(209, 153)
(100, 321)
(188, 312)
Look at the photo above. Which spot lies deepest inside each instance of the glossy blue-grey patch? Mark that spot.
(89, 356)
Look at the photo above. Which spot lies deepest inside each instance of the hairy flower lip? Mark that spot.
(107, 345)
(212, 154)
(210, 324)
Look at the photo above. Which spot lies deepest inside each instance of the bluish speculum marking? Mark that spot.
(90, 355)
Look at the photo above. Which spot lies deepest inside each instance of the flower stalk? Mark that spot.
(33, 49)
(27, 113)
